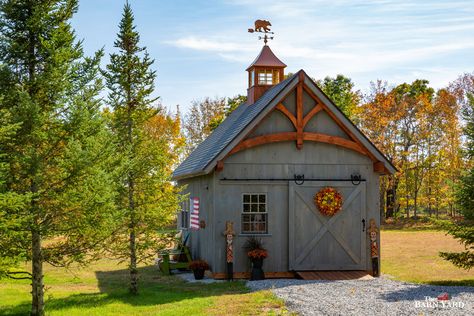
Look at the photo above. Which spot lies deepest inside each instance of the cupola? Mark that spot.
(264, 72)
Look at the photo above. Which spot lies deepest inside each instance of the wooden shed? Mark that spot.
(262, 167)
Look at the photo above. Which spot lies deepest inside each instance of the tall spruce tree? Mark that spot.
(55, 155)
(464, 230)
(146, 197)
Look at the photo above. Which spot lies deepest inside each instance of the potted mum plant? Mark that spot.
(256, 253)
(198, 267)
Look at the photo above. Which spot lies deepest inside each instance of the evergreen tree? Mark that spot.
(55, 151)
(146, 198)
(464, 230)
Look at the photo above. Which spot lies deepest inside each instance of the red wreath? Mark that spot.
(328, 201)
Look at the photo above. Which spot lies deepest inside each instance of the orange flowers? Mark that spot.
(328, 201)
(257, 254)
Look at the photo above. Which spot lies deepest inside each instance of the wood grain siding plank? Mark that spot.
(312, 113)
(287, 113)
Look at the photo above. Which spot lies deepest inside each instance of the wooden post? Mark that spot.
(229, 237)
(299, 112)
(374, 249)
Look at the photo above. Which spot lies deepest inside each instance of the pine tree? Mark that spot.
(147, 200)
(464, 230)
(55, 155)
(9, 257)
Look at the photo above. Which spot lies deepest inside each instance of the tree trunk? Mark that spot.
(391, 197)
(37, 293)
(415, 204)
(133, 264)
(131, 206)
(133, 245)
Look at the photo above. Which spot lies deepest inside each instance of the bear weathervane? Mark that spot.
(262, 26)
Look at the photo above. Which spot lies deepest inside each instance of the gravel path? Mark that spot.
(378, 296)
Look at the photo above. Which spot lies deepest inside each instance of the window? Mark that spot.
(265, 77)
(252, 78)
(254, 213)
(268, 76)
(185, 214)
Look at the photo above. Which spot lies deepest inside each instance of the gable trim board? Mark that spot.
(270, 101)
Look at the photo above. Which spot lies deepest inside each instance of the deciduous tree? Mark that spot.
(342, 93)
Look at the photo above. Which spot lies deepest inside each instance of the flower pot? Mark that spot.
(198, 274)
(257, 272)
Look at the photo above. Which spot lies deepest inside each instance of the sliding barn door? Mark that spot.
(318, 242)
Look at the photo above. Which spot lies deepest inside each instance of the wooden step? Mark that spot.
(334, 275)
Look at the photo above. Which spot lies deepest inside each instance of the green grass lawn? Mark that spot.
(413, 255)
(101, 289)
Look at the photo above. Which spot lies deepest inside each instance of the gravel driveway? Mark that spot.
(378, 296)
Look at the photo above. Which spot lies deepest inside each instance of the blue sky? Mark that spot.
(202, 48)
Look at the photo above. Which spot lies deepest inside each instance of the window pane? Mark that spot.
(246, 198)
(261, 208)
(261, 198)
(269, 78)
(246, 207)
(254, 198)
(254, 208)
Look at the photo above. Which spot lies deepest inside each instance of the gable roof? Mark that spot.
(242, 120)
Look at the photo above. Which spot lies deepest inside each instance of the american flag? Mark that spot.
(194, 213)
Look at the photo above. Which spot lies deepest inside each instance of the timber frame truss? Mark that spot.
(299, 136)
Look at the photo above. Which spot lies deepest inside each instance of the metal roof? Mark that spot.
(266, 58)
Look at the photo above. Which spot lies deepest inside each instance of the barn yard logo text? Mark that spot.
(433, 302)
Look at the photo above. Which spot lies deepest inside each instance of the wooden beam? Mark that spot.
(280, 107)
(289, 136)
(379, 167)
(246, 275)
(334, 140)
(220, 165)
(299, 112)
(311, 113)
(339, 123)
(264, 139)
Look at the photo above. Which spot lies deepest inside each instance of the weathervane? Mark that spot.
(262, 26)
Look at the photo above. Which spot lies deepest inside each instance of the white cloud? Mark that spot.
(208, 44)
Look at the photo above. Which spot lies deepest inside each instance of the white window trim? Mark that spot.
(185, 211)
(242, 232)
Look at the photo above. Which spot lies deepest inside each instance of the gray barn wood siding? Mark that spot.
(221, 200)
(281, 160)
